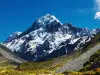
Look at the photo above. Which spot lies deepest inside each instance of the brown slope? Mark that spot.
(7, 55)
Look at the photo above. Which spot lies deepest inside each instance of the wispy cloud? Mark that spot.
(97, 8)
(84, 11)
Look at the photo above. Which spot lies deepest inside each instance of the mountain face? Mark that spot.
(48, 38)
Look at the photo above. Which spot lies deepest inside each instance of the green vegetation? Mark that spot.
(29, 72)
(91, 72)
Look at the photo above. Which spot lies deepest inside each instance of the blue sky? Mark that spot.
(18, 15)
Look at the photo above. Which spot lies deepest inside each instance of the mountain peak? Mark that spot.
(48, 23)
(47, 19)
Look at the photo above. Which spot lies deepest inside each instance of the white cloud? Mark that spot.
(97, 15)
(97, 7)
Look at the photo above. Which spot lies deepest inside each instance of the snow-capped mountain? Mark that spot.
(48, 38)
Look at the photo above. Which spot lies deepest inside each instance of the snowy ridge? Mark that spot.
(47, 35)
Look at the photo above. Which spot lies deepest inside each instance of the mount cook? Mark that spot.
(48, 38)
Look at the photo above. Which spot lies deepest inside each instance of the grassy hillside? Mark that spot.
(37, 68)
(91, 67)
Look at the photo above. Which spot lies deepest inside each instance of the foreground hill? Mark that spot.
(91, 67)
(7, 55)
